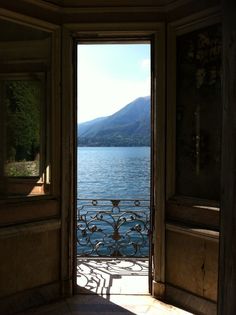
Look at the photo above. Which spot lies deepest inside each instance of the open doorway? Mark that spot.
(114, 190)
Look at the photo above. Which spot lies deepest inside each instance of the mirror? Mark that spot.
(25, 58)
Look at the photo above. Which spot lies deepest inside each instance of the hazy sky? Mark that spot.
(110, 76)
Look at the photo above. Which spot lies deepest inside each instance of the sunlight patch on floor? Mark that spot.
(112, 276)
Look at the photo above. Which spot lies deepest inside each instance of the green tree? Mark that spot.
(23, 119)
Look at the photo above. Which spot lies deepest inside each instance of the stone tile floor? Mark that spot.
(110, 287)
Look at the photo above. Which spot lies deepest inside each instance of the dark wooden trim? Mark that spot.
(191, 8)
(227, 273)
(32, 10)
(59, 12)
(68, 173)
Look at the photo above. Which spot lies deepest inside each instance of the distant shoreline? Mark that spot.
(113, 146)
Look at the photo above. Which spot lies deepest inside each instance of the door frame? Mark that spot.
(155, 32)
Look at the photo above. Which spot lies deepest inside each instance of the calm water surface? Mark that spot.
(114, 172)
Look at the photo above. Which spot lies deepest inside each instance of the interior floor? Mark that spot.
(107, 305)
(110, 286)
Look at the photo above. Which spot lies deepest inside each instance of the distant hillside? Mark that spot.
(130, 126)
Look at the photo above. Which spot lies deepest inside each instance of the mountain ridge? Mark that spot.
(130, 126)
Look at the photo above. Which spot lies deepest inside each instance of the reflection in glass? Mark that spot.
(198, 113)
(25, 101)
(22, 103)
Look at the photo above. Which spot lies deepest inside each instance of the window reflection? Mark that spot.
(25, 100)
(198, 113)
(22, 102)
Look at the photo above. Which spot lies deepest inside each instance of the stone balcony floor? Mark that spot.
(112, 276)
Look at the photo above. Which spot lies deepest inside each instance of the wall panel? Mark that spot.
(192, 267)
(30, 256)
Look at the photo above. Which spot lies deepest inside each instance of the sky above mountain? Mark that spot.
(109, 76)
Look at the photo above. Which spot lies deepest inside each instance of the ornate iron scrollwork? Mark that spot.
(113, 228)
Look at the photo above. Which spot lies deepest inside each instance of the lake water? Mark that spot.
(113, 172)
(105, 229)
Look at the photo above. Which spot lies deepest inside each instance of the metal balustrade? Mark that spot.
(113, 228)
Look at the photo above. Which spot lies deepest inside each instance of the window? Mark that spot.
(21, 99)
(26, 107)
(194, 123)
(198, 113)
(22, 102)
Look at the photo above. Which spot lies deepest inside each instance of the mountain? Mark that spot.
(130, 126)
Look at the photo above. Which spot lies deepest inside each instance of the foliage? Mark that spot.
(114, 141)
(23, 168)
(23, 119)
(200, 53)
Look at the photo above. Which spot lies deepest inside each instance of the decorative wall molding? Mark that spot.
(30, 228)
(27, 20)
(201, 233)
(63, 7)
(48, 5)
(72, 4)
(197, 20)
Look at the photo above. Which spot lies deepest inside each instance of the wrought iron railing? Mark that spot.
(113, 228)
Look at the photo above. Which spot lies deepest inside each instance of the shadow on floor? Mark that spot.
(80, 305)
(95, 304)
(107, 287)
(112, 276)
